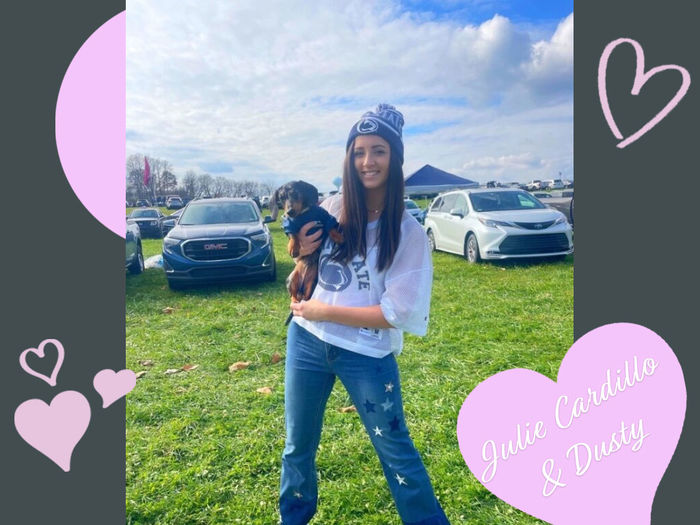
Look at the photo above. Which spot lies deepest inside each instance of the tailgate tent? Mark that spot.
(430, 180)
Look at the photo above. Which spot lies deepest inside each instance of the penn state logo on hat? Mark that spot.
(367, 125)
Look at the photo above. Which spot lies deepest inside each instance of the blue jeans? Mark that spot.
(373, 384)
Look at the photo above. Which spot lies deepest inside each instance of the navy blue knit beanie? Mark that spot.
(387, 122)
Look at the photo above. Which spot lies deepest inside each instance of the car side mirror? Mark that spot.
(457, 212)
(268, 219)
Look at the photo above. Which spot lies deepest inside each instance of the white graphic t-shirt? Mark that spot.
(402, 290)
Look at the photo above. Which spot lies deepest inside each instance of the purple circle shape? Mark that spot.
(91, 123)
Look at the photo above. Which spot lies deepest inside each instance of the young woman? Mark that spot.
(371, 288)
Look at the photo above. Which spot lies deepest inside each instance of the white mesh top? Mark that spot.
(402, 290)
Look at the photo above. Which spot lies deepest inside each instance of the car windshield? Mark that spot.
(504, 200)
(410, 205)
(144, 213)
(218, 213)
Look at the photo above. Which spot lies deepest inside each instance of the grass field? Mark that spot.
(204, 447)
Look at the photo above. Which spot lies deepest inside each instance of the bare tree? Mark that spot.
(204, 185)
(189, 185)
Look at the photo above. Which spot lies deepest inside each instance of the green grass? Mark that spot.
(203, 447)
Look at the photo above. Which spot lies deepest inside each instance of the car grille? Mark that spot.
(535, 225)
(216, 249)
(524, 244)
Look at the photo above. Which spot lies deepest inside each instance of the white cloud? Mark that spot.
(273, 87)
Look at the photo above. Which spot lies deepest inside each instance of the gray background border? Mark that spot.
(635, 246)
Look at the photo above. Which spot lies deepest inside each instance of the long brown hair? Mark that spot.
(354, 217)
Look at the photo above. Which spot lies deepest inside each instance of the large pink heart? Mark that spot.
(590, 448)
(54, 429)
(40, 352)
(640, 78)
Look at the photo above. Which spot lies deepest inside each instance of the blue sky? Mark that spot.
(269, 89)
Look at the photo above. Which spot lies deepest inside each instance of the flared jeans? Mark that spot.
(373, 384)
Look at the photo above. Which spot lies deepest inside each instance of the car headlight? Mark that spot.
(494, 224)
(170, 245)
(260, 240)
(560, 220)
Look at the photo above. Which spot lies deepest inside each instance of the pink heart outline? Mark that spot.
(54, 429)
(113, 385)
(40, 352)
(640, 78)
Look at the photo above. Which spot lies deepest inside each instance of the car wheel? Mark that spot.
(431, 241)
(273, 276)
(137, 266)
(471, 249)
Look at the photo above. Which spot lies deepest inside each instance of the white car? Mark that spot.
(494, 223)
(553, 184)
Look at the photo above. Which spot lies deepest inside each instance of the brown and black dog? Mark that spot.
(299, 200)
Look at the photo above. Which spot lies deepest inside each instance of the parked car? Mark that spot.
(265, 201)
(534, 185)
(143, 203)
(170, 221)
(174, 202)
(496, 224)
(219, 240)
(413, 209)
(541, 194)
(150, 221)
(553, 184)
(134, 251)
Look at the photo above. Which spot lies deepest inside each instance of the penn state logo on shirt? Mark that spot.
(367, 125)
(333, 276)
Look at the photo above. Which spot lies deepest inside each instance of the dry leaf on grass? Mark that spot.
(140, 374)
(345, 410)
(146, 362)
(276, 358)
(187, 368)
(168, 310)
(265, 390)
(239, 365)
(172, 371)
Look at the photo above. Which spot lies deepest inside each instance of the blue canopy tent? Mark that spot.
(429, 180)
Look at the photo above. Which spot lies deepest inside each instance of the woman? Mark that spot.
(370, 289)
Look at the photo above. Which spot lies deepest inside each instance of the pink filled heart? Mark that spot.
(55, 429)
(640, 78)
(40, 352)
(112, 385)
(590, 448)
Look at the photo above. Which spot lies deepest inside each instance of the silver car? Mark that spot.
(493, 223)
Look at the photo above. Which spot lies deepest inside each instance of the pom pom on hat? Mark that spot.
(387, 122)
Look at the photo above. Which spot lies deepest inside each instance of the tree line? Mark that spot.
(163, 182)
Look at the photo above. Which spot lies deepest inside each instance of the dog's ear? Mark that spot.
(309, 193)
(274, 204)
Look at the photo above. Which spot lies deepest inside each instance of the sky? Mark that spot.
(269, 89)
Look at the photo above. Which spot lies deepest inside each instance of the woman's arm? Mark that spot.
(360, 316)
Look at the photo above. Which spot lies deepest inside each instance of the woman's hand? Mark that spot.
(308, 244)
(360, 316)
(312, 310)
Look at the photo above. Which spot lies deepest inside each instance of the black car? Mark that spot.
(219, 240)
(143, 203)
(171, 220)
(150, 221)
(134, 251)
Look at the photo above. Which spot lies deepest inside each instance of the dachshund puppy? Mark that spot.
(299, 200)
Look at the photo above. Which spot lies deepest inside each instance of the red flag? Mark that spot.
(146, 172)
